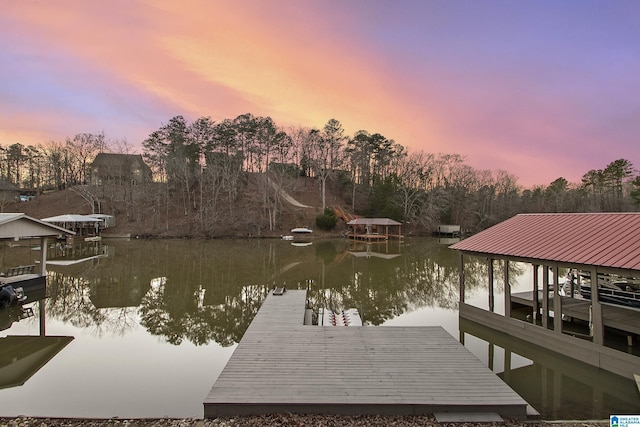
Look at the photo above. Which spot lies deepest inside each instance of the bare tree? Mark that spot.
(82, 148)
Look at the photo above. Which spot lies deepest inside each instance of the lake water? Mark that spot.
(142, 328)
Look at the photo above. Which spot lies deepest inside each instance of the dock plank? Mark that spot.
(281, 365)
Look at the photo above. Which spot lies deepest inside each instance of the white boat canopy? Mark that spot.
(301, 230)
(72, 218)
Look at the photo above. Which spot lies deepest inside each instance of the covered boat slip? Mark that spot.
(601, 244)
(374, 229)
(17, 226)
(614, 316)
(281, 365)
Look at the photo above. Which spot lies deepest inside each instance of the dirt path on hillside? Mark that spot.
(287, 197)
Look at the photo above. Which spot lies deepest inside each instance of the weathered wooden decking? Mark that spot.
(280, 366)
(369, 237)
(625, 319)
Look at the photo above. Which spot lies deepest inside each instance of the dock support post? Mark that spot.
(507, 366)
(41, 313)
(461, 278)
(43, 272)
(545, 296)
(536, 300)
(557, 302)
(43, 256)
(491, 296)
(491, 355)
(507, 290)
(596, 310)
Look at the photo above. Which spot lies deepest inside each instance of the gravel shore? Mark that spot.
(281, 420)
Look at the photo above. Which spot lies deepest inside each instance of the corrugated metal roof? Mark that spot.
(599, 239)
(72, 218)
(373, 221)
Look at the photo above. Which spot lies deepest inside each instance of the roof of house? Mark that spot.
(19, 225)
(373, 221)
(116, 159)
(595, 239)
(7, 186)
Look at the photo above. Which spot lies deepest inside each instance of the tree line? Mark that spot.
(204, 168)
(56, 165)
(211, 161)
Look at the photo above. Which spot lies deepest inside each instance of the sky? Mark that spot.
(541, 89)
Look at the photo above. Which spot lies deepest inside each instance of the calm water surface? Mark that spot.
(143, 328)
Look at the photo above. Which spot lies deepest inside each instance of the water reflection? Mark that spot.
(21, 356)
(557, 386)
(190, 301)
(201, 291)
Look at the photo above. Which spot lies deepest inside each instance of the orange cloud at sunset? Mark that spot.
(485, 82)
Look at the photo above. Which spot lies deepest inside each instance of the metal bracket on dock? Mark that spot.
(279, 291)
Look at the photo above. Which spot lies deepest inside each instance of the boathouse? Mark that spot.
(374, 229)
(605, 246)
(81, 225)
(17, 226)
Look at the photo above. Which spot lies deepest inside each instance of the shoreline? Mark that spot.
(283, 420)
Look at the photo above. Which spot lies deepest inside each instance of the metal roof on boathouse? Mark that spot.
(599, 239)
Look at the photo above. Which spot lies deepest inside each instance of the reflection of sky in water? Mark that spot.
(115, 366)
(135, 375)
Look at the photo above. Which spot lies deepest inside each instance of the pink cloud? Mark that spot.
(424, 75)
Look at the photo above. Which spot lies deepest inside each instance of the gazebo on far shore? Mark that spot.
(374, 229)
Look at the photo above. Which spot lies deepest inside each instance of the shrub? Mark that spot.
(327, 221)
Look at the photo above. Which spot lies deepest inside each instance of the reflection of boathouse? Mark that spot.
(22, 356)
(365, 249)
(373, 229)
(604, 244)
(543, 377)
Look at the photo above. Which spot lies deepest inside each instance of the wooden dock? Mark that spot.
(369, 237)
(281, 366)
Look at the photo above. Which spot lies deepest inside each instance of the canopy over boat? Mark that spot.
(72, 218)
(301, 230)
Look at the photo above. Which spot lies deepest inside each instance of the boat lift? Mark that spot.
(349, 317)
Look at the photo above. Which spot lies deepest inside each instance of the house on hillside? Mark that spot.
(119, 169)
(9, 193)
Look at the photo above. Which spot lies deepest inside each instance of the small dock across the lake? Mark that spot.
(282, 365)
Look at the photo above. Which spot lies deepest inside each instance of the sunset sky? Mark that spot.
(541, 89)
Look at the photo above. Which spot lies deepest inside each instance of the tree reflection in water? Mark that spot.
(204, 290)
(205, 293)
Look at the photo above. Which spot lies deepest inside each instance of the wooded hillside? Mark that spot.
(231, 178)
(138, 216)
